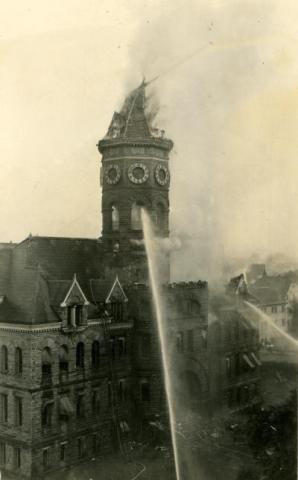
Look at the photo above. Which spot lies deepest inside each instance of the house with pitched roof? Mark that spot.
(271, 294)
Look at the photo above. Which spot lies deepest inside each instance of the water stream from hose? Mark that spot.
(158, 305)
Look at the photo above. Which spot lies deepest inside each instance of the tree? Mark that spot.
(272, 437)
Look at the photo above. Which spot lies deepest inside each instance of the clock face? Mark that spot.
(112, 174)
(162, 174)
(138, 173)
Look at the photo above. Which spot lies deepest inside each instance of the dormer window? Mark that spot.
(75, 316)
(117, 311)
(75, 304)
(115, 301)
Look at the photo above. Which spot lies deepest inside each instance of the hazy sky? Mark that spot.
(232, 111)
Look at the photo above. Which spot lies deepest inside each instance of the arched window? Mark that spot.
(136, 220)
(80, 410)
(116, 309)
(46, 414)
(161, 216)
(115, 218)
(95, 402)
(194, 307)
(18, 360)
(63, 359)
(46, 364)
(80, 353)
(4, 359)
(95, 354)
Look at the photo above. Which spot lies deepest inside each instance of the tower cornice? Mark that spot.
(163, 143)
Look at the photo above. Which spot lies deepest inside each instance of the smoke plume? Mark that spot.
(228, 100)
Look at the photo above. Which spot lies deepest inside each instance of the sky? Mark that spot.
(230, 105)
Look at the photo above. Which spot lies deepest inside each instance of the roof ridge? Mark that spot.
(42, 237)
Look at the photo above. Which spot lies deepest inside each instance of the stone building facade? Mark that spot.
(80, 368)
(233, 350)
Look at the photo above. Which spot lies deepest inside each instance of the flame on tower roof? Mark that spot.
(133, 120)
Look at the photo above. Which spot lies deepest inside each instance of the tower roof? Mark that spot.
(134, 115)
(133, 122)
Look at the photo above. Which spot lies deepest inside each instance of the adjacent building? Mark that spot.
(273, 294)
(234, 362)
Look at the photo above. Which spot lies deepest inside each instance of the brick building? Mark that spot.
(233, 351)
(79, 354)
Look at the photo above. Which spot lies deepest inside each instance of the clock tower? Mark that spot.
(134, 175)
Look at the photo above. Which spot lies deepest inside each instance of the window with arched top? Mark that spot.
(80, 406)
(95, 354)
(4, 359)
(18, 360)
(46, 414)
(115, 218)
(194, 307)
(63, 359)
(136, 219)
(46, 364)
(80, 354)
(95, 402)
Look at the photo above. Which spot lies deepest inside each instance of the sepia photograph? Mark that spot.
(149, 239)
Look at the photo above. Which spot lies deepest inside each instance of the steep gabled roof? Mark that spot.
(37, 274)
(237, 285)
(136, 125)
(116, 292)
(131, 121)
(58, 290)
(61, 257)
(103, 291)
(99, 290)
(268, 295)
(10, 312)
(74, 294)
(271, 289)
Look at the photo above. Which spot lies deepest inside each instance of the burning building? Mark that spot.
(234, 368)
(79, 354)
